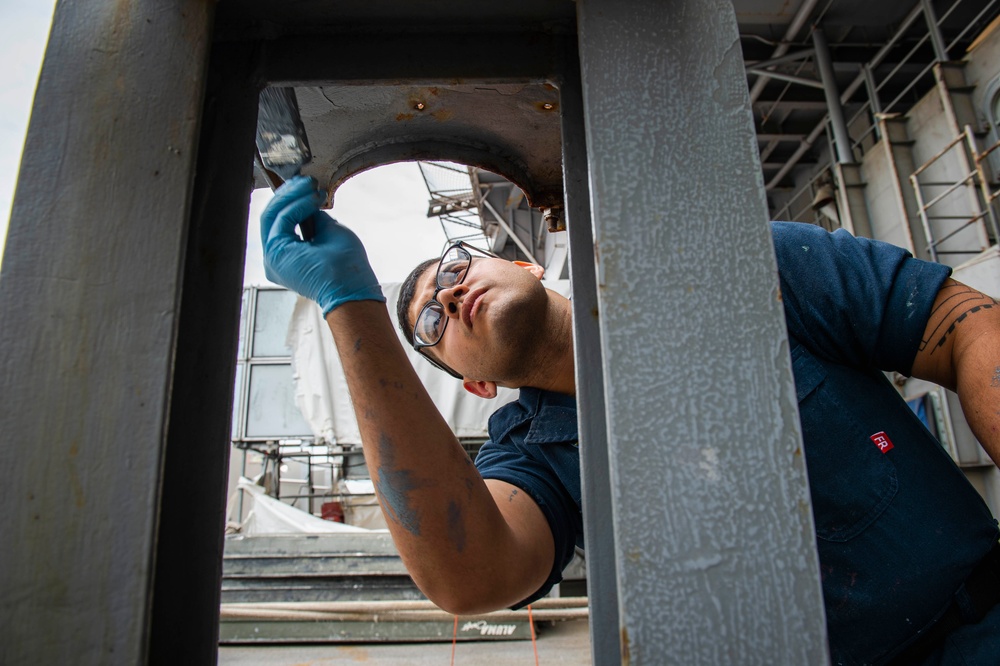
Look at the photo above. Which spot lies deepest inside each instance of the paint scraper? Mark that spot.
(282, 145)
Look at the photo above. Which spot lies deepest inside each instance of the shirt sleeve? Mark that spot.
(854, 300)
(515, 463)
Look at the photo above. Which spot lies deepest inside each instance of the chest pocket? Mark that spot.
(851, 481)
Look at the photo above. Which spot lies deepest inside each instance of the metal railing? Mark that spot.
(983, 196)
(874, 106)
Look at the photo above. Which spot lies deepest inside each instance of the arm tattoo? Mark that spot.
(960, 302)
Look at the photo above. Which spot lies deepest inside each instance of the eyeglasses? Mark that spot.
(432, 318)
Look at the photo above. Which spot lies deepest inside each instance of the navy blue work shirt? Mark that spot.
(898, 527)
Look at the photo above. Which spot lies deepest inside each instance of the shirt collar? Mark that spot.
(552, 416)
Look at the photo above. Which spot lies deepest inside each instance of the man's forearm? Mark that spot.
(961, 351)
(450, 533)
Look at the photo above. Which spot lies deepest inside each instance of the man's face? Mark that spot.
(493, 318)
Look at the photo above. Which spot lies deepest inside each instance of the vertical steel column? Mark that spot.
(185, 627)
(602, 586)
(89, 300)
(824, 64)
(713, 531)
(872, 89)
(934, 30)
(873, 101)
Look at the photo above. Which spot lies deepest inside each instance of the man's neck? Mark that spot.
(555, 366)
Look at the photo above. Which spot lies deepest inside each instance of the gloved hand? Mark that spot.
(330, 269)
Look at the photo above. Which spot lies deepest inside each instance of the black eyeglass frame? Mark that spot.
(420, 345)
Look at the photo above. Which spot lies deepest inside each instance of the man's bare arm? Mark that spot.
(465, 549)
(960, 350)
(470, 545)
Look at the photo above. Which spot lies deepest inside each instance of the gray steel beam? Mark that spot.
(89, 304)
(602, 585)
(189, 545)
(716, 549)
(841, 137)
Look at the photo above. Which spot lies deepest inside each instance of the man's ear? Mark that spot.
(483, 389)
(534, 269)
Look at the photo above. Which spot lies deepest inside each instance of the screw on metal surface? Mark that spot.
(554, 218)
(419, 106)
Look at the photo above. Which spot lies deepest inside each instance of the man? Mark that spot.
(908, 551)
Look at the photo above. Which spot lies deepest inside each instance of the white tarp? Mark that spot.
(321, 389)
(271, 516)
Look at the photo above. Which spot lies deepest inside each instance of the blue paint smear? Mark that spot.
(393, 488)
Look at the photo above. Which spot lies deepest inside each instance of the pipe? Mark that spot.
(824, 64)
(799, 20)
(851, 89)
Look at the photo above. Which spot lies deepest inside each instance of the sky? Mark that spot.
(24, 30)
(386, 207)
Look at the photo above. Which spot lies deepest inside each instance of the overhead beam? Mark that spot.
(790, 105)
(391, 57)
(772, 136)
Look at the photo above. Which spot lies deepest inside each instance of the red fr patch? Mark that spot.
(882, 441)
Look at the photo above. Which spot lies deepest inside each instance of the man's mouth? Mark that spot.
(470, 306)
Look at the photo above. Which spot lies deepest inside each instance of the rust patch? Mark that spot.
(404, 116)
(626, 657)
(442, 115)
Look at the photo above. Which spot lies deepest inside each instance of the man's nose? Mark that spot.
(451, 299)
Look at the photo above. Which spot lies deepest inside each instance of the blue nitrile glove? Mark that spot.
(330, 269)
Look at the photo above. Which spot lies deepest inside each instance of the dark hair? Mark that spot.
(406, 293)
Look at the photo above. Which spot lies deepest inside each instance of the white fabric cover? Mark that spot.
(321, 389)
(270, 516)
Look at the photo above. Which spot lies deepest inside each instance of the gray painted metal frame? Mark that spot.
(119, 332)
(712, 523)
(189, 548)
(92, 300)
(602, 584)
